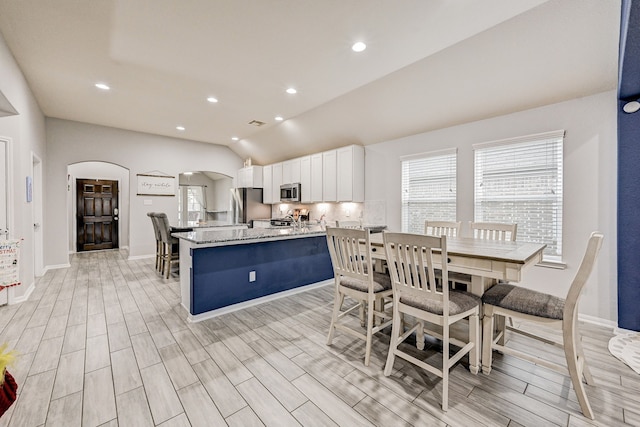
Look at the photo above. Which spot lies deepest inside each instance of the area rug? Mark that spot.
(626, 347)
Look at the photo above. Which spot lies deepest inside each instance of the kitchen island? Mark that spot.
(225, 269)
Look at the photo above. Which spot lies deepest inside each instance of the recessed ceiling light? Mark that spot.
(291, 91)
(358, 47)
(180, 128)
(212, 99)
(187, 173)
(279, 118)
(102, 86)
(235, 138)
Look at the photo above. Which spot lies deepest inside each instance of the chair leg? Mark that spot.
(337, 305)
(586, 373)
(487, 339)
(396, 331)
(362, 314)
(500, 322)
(370, 318)
(474, 337)
(445, 367)
(420, 336)
(571, 350)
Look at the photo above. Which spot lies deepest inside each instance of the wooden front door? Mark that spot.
(97, 214)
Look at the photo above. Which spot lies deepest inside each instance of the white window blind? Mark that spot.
(520, 181)
(428, 189)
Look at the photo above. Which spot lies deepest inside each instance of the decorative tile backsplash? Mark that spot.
(369, 212)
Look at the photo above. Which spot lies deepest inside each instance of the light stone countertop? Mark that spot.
(222, 237)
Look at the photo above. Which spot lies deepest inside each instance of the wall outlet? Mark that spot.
(252, 276)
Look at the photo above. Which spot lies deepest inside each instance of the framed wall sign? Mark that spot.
(156, 185)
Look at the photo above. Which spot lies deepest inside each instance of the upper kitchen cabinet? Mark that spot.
(250, 177)
(329, 179)
(291, 171)
(267, 182)
(350, 174)
(305, 179)
(316, 177)
(276, 181)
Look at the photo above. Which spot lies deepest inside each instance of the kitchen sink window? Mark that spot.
(519, 181)
(192, 203)
(428, 189)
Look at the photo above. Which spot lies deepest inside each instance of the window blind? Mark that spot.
(428, 189)
(520, 181)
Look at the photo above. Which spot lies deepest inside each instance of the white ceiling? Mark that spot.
(429, 64)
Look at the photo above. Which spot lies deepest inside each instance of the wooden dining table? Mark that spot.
(487, 261)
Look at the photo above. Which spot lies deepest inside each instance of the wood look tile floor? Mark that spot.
(105, 343)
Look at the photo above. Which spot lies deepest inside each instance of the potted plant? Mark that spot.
(8, 386)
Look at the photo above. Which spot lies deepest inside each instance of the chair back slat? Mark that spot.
(494, 231)
(440, 228)
(164, 227)
(350, 251)
(410, 258)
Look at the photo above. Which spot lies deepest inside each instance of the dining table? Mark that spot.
(486, 261)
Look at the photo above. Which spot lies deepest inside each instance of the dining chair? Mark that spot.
(439, 228)
(348, 224)
(170, 252)
(545, 310)
(411, 260)
(494, 231)
(486, 231)
(350, 252)
(156, 232)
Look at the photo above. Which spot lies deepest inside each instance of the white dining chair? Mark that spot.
(545, 310)
(350, 252)
(416, 293)
(494, 231)
(439, 228)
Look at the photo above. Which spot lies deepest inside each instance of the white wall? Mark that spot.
(589, 185)
(27, 131)
(72, 142)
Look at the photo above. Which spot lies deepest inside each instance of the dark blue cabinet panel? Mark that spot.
(220, 275)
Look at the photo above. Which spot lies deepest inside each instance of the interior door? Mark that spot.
(97, 214)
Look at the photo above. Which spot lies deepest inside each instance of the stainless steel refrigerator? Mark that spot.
(246, 205)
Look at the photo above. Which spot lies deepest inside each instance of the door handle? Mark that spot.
(115, 218)
(36, 225)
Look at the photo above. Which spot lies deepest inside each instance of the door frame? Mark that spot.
(36, 215)
(8, 152)
(99, 169)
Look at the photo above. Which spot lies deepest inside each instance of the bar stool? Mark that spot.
(169, 253)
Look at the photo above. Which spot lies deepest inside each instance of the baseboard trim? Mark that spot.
(598, 321)
(16, 300)
(54, 267)
(235, 307)
(135, 257)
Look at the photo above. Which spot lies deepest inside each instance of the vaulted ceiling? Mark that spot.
(428, 64)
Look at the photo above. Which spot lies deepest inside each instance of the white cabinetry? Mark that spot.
(305, 179)
(250, 177)
(291, 171)
(350, 174)
(329, 179)
(276, 181)
(267, 183)
(316, 177)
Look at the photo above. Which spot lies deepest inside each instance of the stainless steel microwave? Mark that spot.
(290, 192)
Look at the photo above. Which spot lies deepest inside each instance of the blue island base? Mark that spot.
(220, 275)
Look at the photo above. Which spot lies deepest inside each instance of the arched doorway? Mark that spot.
(86, 172)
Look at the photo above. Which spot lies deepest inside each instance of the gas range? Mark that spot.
(281, 222)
